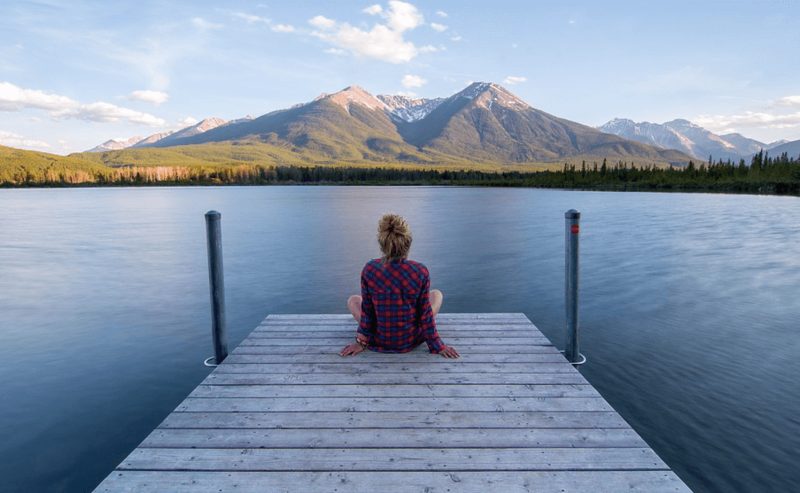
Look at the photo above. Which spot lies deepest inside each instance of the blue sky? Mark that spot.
(76, 73)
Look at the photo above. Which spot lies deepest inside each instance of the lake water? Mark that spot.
(690, 308)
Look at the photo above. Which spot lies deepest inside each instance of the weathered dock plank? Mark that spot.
(396, 482)
(394, 438)
(440, 365)
(571, 378)
(391, 459)
(374, 404)
(300, 339)
(577, 420)
(284, 412)
(409, 358)
(386, 391)
(325, 349)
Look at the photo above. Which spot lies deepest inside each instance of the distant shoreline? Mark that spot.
(780, 188)
(764, 175)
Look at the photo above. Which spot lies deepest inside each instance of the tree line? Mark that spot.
(766, 174)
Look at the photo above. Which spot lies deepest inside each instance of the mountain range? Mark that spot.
(687, 137)
(484, 123)
(165, 138)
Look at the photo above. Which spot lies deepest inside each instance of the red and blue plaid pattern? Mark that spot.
(396, 311)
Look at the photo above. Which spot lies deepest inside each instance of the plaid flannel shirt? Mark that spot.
(396, 311)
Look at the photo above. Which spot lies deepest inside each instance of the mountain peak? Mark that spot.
(353, 94)
(680, 122)
(245, 119)
(198, 128)
(209, 123)
(487, 94)
(476, 89)
(621, 121)
(116, 144)
(618, 126)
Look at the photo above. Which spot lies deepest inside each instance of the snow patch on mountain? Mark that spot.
(474, 90)
(409, 109)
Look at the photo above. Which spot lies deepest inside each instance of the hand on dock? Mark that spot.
(449, 352)
(351, 350)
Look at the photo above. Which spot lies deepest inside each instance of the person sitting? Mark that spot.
(396, 308)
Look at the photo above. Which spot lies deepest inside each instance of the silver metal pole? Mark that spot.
(572, 285)
(217, 284)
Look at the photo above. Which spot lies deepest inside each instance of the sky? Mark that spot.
(74, 74)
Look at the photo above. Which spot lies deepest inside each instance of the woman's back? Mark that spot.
(396, 313)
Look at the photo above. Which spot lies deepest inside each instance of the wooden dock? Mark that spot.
(286, 413)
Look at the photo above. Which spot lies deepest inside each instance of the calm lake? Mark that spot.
(690, 308)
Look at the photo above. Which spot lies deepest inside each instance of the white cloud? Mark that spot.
(775, 115)
(321, 22)
(109, 113)
(250, 18)
(336, 51)
(12, 98)
(787, 101)
(153, 97)
(382, 42)
(403, 16)
(514, 80)
(441, 14)
(456, 38)
(204, 24)
(373, 10)
(438, 27)
(410, 81)
(10, 139)
(749, 119)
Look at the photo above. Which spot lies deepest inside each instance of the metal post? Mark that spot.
(217, 284)
(572, 285)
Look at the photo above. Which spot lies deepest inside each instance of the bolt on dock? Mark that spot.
(284, 412)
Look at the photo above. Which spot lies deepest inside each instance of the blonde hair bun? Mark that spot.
(394, 236)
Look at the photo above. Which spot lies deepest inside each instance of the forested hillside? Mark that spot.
(197, 165)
